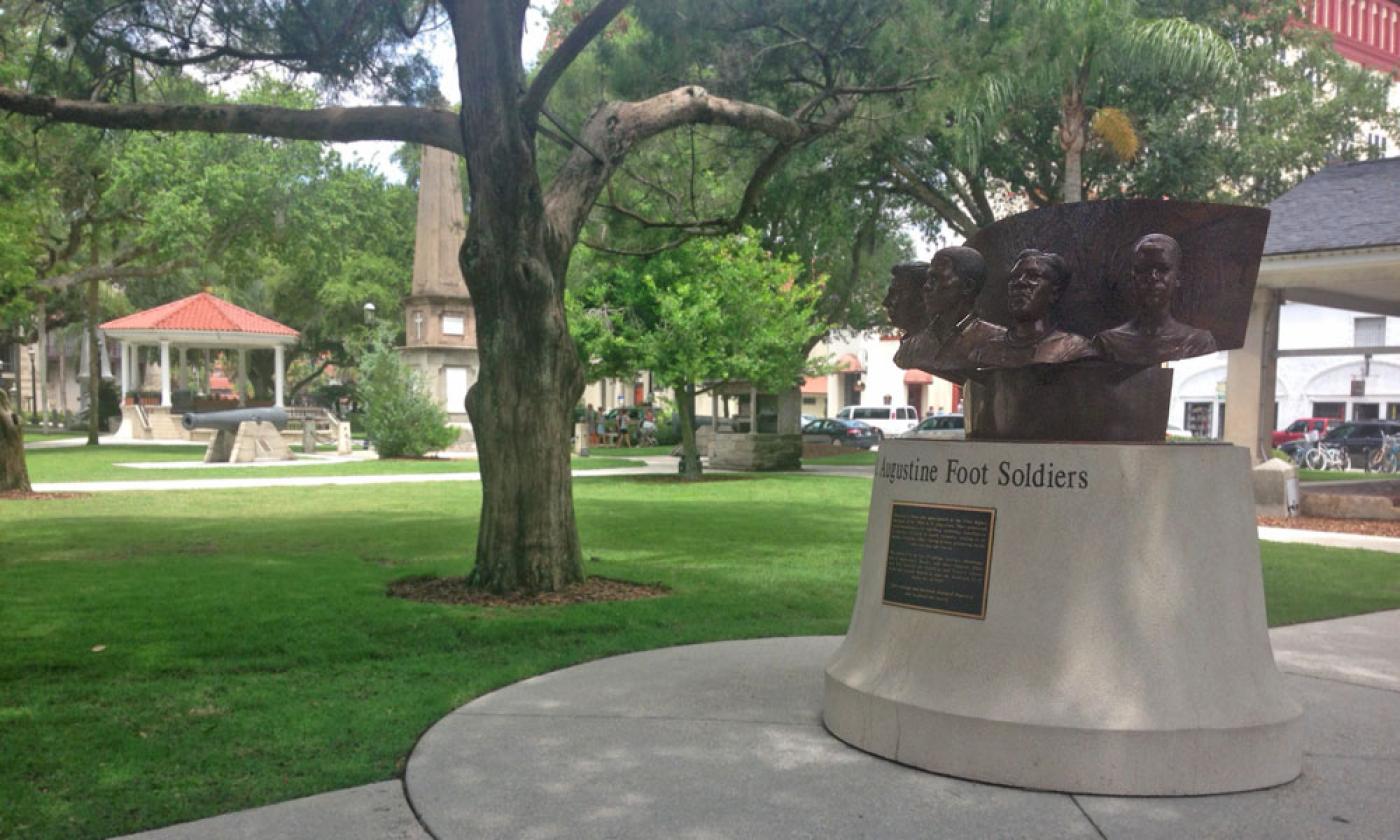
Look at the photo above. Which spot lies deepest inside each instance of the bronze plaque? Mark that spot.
(938, 558)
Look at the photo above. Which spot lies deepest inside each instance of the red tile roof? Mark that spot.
(200, 312)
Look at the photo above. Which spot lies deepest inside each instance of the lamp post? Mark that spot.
(369, 312)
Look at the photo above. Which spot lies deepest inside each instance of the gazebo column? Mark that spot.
(279, 374)
(126, 370)
(183, 379)
(242, 376)
(164, 373)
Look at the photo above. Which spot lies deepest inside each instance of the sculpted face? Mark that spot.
(943, 290)
(903, 306)
(1155, 267)
(1031, 291)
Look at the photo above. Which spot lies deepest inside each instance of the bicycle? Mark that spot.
(1329, 456)
(1386, 457)
(1321, 456)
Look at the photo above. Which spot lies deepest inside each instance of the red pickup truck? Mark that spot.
(1300, 427)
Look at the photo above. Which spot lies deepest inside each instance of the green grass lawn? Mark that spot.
(36, 437)
(103, 463)
(165, 657)
(859, 457)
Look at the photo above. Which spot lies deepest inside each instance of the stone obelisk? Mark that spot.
(439, 320)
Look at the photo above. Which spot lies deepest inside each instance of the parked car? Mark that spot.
(1359, 437)
(1300, 427)
(887, 419)
(939, 426)
(854, 433)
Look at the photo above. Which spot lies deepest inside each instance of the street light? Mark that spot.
(369, 312)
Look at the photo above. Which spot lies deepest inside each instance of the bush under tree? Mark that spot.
(401, 417)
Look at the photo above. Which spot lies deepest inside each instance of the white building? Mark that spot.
(1355, 386)
(866, 375)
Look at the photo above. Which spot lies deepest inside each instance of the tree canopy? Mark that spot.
(707, 312)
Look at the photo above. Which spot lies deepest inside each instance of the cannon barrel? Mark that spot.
(229, 420)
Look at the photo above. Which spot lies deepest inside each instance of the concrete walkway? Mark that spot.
(725, 740)
(650, 465)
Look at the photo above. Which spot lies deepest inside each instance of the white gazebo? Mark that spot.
(185, 330)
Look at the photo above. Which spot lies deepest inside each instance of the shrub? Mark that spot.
(400, 416)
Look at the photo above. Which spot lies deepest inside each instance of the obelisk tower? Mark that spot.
(439, 322)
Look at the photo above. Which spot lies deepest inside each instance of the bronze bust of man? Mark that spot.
(945, 346)
(1153, 335)
(1037, 280)
(904, 307)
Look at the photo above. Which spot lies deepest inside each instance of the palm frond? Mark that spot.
(1176, 49)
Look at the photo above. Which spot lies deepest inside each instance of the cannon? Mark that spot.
(242, 435)
(229, 420)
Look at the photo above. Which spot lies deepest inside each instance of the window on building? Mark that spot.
(1334, 410)
(1198, 419)
(454, 325)
(1368, 331)
(1365, 411)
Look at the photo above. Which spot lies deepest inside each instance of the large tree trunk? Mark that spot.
(14, 474)
(531, 377)
(521, 409)
(94, 383)
(690, 450)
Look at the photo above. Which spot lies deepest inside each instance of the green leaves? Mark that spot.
(401, 417)
(711, 310)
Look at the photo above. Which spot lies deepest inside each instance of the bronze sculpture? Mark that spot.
(953, 332)
(1153, 335)
(1038, 279)
(904, 307)
(1001, 316)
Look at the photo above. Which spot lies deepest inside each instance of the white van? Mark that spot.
(888, 419)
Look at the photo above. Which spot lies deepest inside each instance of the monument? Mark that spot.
(1064, 601)
(439, 320)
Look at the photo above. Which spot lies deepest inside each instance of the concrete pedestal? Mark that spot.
(1122, 646)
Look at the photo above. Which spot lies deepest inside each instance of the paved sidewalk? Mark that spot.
(1332, 539)
(724, 740)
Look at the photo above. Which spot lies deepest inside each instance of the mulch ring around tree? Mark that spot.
(453, 590)
(1369, 527)
(39, 497)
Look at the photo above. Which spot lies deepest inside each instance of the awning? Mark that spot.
(816, 385)
(917, 377)
(849, 364)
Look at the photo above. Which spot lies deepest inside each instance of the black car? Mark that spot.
(1359, 437)
(855, 433)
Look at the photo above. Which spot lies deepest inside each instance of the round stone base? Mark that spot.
(1114, 643)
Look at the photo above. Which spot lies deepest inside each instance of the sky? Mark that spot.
(443, 54)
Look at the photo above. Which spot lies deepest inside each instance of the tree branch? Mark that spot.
(911, 185)
(112, 271)
(590, 27)
(616, 128)
(645, 252)
(428, 126)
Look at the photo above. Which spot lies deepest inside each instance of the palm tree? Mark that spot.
(1081, 53)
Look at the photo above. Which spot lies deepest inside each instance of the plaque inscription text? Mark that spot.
(938, 558)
